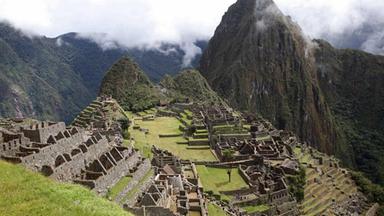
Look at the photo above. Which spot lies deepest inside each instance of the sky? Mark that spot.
(145, 23)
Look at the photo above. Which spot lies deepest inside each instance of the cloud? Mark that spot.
(131, 23)
(345, 23)
(146, 23)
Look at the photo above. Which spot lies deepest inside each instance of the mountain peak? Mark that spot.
(254, 51)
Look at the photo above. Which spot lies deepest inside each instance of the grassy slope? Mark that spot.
(215, 210)
(23, 192)
(115, 190)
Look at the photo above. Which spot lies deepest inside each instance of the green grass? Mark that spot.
(115, 190)
(214, 210)
(167, 125)
(129, 114)
(202, 139)
(258, 208)
(188, 112)
(297, 151)
(185, 118)
(216, 179)
(132, 192)
(264, 138)
(24, 192)
(306, 158)
(248, 127)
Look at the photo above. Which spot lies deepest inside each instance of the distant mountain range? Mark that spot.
(55, 78)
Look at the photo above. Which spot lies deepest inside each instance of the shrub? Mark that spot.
(126, 134)
(296, 184)
(374, 192)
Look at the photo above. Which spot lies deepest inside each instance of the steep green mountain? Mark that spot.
(259, 60)
(189, 85)
(54, 78)
(35, 80)
(129, 85)
(353, 84)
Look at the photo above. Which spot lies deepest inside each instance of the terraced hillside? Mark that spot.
(325, 183)
(99, 111)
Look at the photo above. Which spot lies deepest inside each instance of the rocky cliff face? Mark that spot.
(259, 61)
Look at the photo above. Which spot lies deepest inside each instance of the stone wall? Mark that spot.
(42, 131)
(151, 211)
(79, 159)
(51, 154)
(115, 174)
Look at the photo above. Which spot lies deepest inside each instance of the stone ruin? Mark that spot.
(262, 154)
(98, 115)
(246, 148)
(175, 191)
(94, 158)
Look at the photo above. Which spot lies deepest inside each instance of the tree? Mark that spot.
(228, 154)
(229, 172)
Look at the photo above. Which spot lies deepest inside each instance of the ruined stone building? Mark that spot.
(175, 191)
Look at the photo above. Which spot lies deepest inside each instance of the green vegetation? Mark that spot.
(258, 208)
(297, 183)
(374, 192)
(167, 125)
(26, 193)
(188, 112)
(214, 210)
(367, 148)
(303, 157)
(185, 118)
(228, 153)
(216, 180)
(136, 189)
(190, 85)
(115, 190)
(129, 85)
